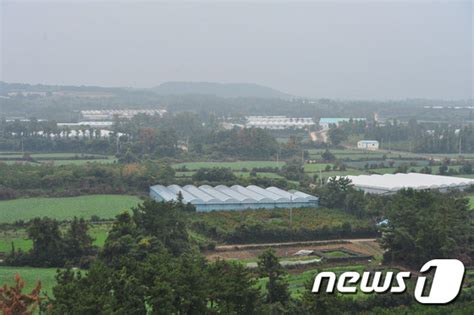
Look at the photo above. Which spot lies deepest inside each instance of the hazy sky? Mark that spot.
(350, 49)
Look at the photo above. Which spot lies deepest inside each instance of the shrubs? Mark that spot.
(216, 174)
(259, 233)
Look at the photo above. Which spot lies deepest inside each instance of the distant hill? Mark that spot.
(219, 89)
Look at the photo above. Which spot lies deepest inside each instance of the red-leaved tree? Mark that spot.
(14, 302)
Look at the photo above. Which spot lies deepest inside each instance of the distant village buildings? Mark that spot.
(278, 122)
(107, 114)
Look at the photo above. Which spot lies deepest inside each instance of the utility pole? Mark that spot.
(320, 177)
(291, 211)
(117, 143)
(460, 142)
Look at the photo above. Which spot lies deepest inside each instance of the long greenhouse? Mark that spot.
(391, 183)
(208, 198)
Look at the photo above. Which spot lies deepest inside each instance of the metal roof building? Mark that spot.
(279, 122)
(326, 122)
(391, 183)
(207, 198)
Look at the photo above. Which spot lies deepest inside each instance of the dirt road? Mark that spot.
(263, 245)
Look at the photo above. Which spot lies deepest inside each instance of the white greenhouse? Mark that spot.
(208, 198)
(391, 183)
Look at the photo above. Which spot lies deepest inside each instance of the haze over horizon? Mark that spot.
(342, 50)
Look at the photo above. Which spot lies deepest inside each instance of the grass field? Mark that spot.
(80, 162)
(471, 201)
(309, 168)
(104, 206)
(337, 254)
(236, 173)
(30, 276)
(361, 154)
(99, 232)
(18, 237)
(236, 166)
(56, 158)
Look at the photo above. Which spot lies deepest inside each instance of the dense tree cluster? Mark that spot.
(148, 263)
(426, 138)
(339, 193)
(217, 174)
(337, 135)
(244, 143)
(69, 180)
(52, 247)
(423, 225)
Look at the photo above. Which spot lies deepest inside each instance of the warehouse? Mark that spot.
(371, 145)
(391, 183)
(325, 123)
(208, 198)
(278, 122)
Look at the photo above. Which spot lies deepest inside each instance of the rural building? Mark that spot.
(93, 124)
(107, 114)
(208, 198)
(326, 122)
(391, 183)
(368, 145)
(278, 122)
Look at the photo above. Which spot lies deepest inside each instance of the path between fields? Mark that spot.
(258, 245)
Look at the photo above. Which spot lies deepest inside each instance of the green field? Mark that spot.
(99, 232)
(79, 162)
(236, 166)
(309, 168)
(56, 158)
(19, 237)
(337, 254)
(30, 276)
(355, 154)
(186, 174)
(471, 201)
(104, 206)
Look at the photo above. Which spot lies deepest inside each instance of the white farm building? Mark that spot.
(391, 183)
(372, 145)
(278, 122)
(106, 114)
(208, 198)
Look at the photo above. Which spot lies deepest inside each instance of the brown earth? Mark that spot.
(364, 247)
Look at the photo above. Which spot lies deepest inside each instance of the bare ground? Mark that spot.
(243, 252)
